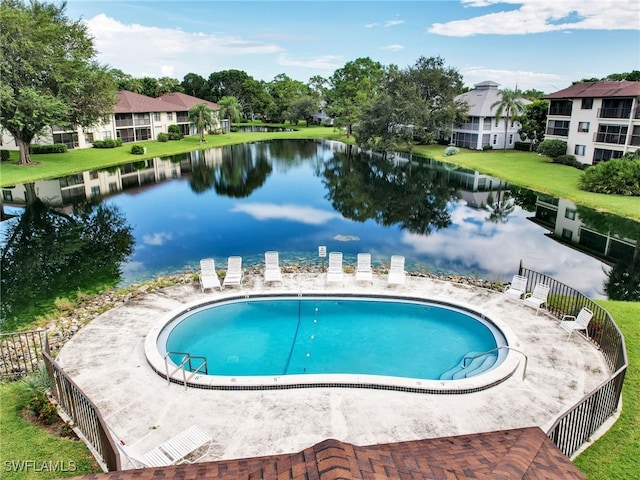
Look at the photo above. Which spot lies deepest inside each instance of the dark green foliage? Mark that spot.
(137, 149)
(4, 155)
(522, 146)
(175, 133)
(487, 147)
(107, 143)
(163, 137)
(619, 177)
(55, 148)
(552, 148)
(569, 160)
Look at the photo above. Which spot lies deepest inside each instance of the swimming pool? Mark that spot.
(272, 342)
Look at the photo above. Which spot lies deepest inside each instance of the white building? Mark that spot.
(598, 120)
(482, 128)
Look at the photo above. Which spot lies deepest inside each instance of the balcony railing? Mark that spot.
(560, 132)
(182, 118)
(615, 138)
(614, 112)
(560, 111)
(126, 122)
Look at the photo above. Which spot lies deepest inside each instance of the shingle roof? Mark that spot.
(129, 102)
(598, 90)
(482, 97)
(185, 102)
(524, 453)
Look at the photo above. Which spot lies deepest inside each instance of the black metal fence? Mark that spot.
(83, 413)
(21, 352)
(576, 426)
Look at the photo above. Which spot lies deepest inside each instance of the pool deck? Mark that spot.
(106, 358)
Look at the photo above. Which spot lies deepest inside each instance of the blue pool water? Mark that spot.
(259, 337)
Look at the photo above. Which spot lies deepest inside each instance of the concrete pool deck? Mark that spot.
(106, 358)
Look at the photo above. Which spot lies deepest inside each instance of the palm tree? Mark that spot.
(510, 104)
(231, 109)
(202, 117)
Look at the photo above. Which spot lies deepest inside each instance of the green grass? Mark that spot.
(21, 441)
(616, 455)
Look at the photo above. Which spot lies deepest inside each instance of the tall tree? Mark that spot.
(302, 109)
(195, 85)
(230, 109)
(283, 91)
(510, 103)
(49, 75)
(202, 117)
(533, 122)
(167, 85)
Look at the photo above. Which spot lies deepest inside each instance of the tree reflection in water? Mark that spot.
(47, 253)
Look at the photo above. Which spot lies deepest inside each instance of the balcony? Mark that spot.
(615, 138)
(558, 132)
(125, 122)
(624, 113)
(182, 118)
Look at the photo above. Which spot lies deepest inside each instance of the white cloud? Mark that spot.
(371, 25)
(296, 213)
(136, 48)
(324, 62)
(158, 238)
(393, 23)
(548, 82)
(393, 48)
(537, 16)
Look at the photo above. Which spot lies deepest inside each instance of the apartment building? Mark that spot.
(598, 120)
(482, 128)
(135, 118)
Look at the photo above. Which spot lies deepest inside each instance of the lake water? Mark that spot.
(296, 195)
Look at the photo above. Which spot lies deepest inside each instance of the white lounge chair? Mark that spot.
(517, 288)
(538, 297)
(363, 269)
(208, 275)
(335, 272)
(234, 272)
(579, 322)
(174, 451)
(272, 272)
(396, 271)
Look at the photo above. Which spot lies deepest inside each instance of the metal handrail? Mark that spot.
(526, 359)
(186, 360)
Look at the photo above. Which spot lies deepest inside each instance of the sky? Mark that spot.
(528, 44)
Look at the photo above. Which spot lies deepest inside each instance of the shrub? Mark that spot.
(175, 133)
(552, 148)
(522, 146)
(451, 151)
(137, 149)
(163, 137)
(107, 143)
(569, 160)
(487, 147)
(36, 149)
(618, 177)
(4, 155)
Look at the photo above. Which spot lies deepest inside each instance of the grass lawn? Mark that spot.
(22, 441)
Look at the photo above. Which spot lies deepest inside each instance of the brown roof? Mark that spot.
(129, 102)
(185, 102)
(598, 90)
(524, 453)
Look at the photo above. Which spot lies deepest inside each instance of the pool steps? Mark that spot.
(478, 365)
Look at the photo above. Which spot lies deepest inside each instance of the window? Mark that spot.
(495, 139)
(497, 121)
(511, 139)
(579, 150)
(570, 214)
(106, 135)
(567, 234)
(95, 191)
(558, 127)
(587, 103)
(583, 126)
(616, 108)
(602, 155)
(156, 117)
(169, 116)
(560, 107)
(612, 134)
(635, 136)
(7, 195)
(88, 136)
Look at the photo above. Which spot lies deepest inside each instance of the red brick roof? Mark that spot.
(185, 102)
(522, 454)
(598, 90)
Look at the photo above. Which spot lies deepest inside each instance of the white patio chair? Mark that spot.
(517, 288)
(272, 272)
(579, 322)
(234, 272)
(175, 451)
(335, 272)
(208, 275)
(538, 297)
(396, 271)
(363, 269)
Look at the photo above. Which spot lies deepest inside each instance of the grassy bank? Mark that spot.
(522, 168)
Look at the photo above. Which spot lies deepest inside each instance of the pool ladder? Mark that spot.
(186, 360)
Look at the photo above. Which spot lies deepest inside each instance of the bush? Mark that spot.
(552, 148)
(617, 177)
(175, 133)
(163, 137)
(522, 146)
(4, 155)
(487, 147)
(137, 149)
(569, 160)
(36, 149)
(107, 143)
(451, 151)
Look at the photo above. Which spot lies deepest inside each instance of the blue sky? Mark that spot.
(541, 44)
